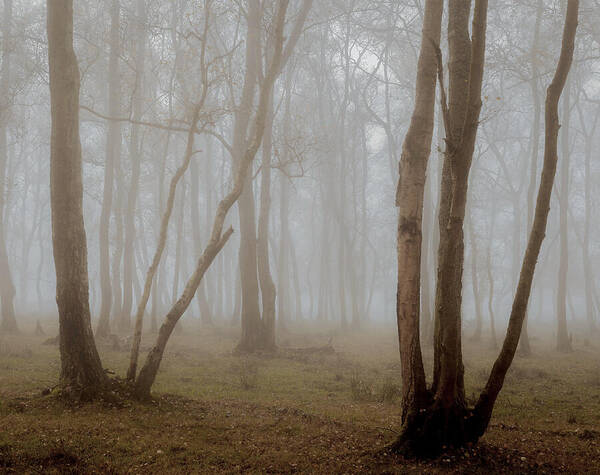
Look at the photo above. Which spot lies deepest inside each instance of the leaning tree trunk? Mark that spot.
(409, 200)
(81, 370)
(113, 149)
(218, 238)
(162, 240)
(485, 404)
(7, 288)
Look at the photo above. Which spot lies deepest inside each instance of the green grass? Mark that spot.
(329, 398)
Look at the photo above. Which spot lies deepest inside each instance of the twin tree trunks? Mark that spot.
(437, 416)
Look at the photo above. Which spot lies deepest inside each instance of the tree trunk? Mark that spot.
(267, 287)
(524, 345)
(475, 280)
(563, 342)
(490, 276)
(7, 288)
(135, 154)
(162, 240)
(81, 370)
(438, 418)
(409, 200)
(113, 149)
(251, 319)
(218, 238)
(585, 248)
(485, 404)
(205, 313)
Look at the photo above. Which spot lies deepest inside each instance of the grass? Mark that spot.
(315, 413)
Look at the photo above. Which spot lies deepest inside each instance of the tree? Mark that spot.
(113, 150)
(438, 416)
(135, 152)
(409, 200)
(563, 342)
(218, 238)
(7, 288)
(258, 331)
(81, 370)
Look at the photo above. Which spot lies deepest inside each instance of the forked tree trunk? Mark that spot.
(447, 421)
(113, 148)
(436, 418)
(462, 116)
(7, 288)
(218, 238)
(81, 370)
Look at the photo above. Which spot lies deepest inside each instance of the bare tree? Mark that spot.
(7, 288)
(218, 238)
(81, 370)
(113, 149)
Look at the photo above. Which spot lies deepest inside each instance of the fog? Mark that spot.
(173, 97)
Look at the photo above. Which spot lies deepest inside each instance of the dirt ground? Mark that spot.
(296, 412)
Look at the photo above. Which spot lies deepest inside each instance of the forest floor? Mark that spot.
(296, 412)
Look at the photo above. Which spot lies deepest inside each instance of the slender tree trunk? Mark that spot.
(81, 370)
(475, 280)
(563, 342)
(267, 287)
(490, 277)
(439, 418)
(585, 248)
(113, 148)
(135, 154)
(205, 313)
(162, 241)
(409, 200)
(524, 345)
(7, 288)
(218, 238)
(485, 404)
(251, 318)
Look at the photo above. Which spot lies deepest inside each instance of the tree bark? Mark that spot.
(81, 370)
(439, 418)
(409, 200)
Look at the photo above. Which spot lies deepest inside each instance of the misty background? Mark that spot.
(341, 109)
